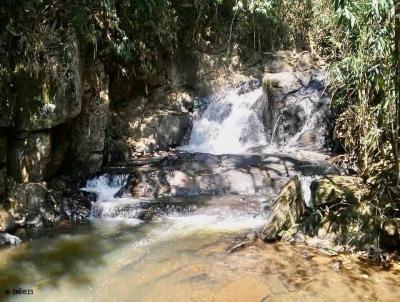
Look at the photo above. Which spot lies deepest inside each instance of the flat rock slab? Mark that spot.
(185, 174)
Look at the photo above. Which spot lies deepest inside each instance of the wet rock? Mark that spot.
(286, 212)
(200, 174)
(29, 206)
(336, 189)
(89, 128)
(7, 239)
(296, 108)
(29, 156)
(68, 200)
(194, 174)
(7, 222)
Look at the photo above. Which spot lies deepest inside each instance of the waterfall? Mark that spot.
(229, 125)
(305, 182)
(107, 206)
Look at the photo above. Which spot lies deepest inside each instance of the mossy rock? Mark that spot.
(354, 225)
(287, 211)
(337, 188)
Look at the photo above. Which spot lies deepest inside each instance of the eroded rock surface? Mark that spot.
(201, 173)
(288, 210)
(296, 104)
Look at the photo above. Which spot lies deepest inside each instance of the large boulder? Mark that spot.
(29, 205)
(29, 156)
(7, 239)
(296, 108)
(158, 121)
(49, 97)
(337, 188)
(159, 131)
(89, 128)
(287, 211)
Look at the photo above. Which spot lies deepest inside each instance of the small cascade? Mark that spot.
(275, 127)
(105, 186)
(234, 212)
(107, 206)
(305, 182)
(229, 125)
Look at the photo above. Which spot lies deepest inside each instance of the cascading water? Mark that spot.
(228, 125)
(212, 215)
(107, 206)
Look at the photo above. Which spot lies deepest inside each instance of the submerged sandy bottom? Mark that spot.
(183, 259)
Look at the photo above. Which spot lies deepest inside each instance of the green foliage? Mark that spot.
(364, 78)
(131, 35)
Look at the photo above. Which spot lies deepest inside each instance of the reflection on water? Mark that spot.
(182, 260)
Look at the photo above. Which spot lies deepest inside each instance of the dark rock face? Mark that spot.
(27, 203)
(29, 156)
(3, 170)
(3, 177)
(47, 99)
(7, 105)
(145, 124)
(89, 128)
(295, 105)
(287, 211)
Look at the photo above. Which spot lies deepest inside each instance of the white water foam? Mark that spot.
(105, 186)
(305, 182)
(107, 206)
(228, 125)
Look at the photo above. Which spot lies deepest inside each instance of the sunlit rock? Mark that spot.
(336, 189)
(287, 211)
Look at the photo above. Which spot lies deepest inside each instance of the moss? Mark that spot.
(337, 188)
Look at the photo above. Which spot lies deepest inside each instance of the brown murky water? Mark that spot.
(185, 259)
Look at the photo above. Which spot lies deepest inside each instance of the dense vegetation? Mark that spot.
(359, 39)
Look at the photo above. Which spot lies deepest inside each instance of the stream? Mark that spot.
(188, 250)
